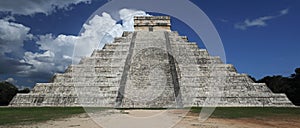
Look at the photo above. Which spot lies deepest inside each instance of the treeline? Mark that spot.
(288, 85)
(8, 91)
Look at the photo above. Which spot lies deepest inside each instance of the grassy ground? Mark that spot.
(250, 112)
(38, 114)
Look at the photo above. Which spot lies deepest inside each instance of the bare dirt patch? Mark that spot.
(189, 121)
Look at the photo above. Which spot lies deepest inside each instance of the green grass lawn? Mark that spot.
(250, 112)
(37, 114)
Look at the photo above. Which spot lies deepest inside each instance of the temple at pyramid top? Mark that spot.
(152, 23)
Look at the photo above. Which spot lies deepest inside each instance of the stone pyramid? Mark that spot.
(152, 67)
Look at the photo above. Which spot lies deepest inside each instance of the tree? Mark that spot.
(7, 92)
(295, 91)
(288, 85)
(252, 78)
(25, 90)
(297, 75)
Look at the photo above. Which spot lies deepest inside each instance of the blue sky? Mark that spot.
(260, 38)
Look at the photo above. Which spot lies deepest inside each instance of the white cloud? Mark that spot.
(127, 15)
(98, 31)
(14, 82)
(12, 37)
(11, 80)
(284, 11)
(42, 62)
(9, 18)
(259, 22)
(30, 7)
(224, 20)
(59, 50)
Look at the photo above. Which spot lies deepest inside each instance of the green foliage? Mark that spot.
(250, 112)
(252, 78)
(36, 114)
(288, 85)
(7, 92)
(25, 90)
(297, 71)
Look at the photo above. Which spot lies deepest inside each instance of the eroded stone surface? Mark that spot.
(151, 69)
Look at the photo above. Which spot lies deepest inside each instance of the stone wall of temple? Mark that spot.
(152, 23)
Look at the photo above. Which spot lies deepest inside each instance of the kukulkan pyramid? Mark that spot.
(149, 68)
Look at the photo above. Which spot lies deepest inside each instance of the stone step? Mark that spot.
(181, 39)
(110, 53)
(116, 46)
(208, 67)
(94, 67)
(229, 95)
(62, 100)
(98, 80)
(235, 88)
(76, 90)
(77, 84)
(119, 39)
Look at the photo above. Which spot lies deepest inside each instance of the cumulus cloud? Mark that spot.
(11, 80)
(127, 15)
(260, 21)
(30, 7)
(58, 51)
(15, 83)
(98, 31)
(12, 38)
